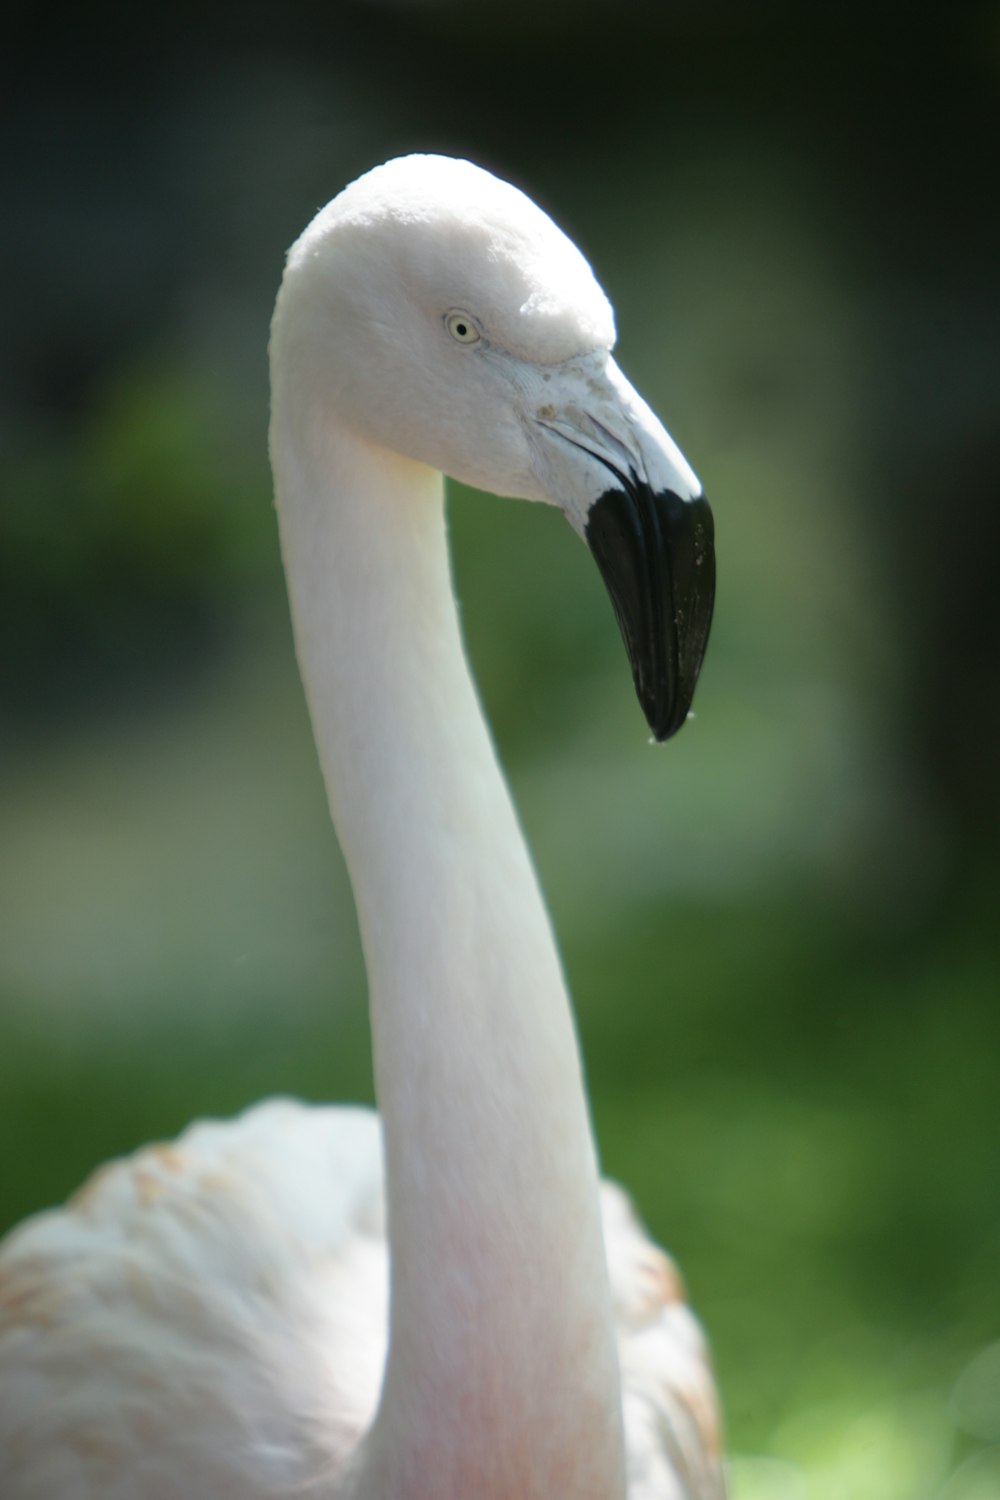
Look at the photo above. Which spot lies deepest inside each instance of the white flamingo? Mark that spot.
(228, 1317)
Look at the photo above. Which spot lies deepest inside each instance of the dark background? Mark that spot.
(781, 931)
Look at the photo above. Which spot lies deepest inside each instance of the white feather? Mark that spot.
(204, 1319)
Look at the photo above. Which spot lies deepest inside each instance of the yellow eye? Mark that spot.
(462, 328)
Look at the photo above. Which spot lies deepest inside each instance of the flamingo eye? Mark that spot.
(462, 328)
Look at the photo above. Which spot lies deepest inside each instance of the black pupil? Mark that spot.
(461, 330)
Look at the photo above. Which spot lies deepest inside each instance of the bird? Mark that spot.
(442, 1300)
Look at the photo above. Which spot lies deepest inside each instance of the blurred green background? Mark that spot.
(781, 930)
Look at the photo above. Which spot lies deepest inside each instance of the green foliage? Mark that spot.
(123, 535)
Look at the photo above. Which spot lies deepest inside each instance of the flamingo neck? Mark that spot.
(502, 1375)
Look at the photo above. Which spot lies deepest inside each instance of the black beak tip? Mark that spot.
(665, 729)
(666, 718)
(656, 554)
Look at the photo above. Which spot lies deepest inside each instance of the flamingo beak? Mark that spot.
(625, 486)
(655, 551)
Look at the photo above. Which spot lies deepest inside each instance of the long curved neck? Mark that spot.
(502, 1376)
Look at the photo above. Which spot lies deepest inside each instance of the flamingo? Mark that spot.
(442, 1301)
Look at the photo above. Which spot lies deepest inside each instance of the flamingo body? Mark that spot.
(200, 1321)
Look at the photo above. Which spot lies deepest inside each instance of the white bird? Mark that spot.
(444, 1303)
